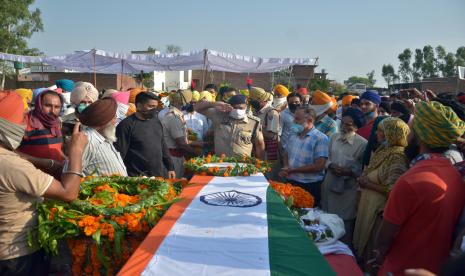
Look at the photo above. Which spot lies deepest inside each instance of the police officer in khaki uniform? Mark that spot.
(175, 131)
(269, 118)
(236, 133)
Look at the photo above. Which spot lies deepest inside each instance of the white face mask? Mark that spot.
(278, 101)
(237, 114)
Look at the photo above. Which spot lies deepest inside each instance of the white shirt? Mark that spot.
(198, 123)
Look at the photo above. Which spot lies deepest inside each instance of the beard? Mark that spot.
(109, 132)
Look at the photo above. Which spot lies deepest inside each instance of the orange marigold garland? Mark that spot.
(243, 166)
(299, 197)
(108, 221)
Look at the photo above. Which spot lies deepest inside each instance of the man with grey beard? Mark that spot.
(100, 156)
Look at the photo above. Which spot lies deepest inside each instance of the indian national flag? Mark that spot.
(227, 226)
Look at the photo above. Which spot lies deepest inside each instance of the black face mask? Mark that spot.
(293, 107)
(255, 105)
(149, 114)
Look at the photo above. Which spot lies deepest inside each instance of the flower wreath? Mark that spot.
(243, 166)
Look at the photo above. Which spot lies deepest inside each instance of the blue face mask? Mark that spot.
(297, 128)
(370, 115)
(81, 107)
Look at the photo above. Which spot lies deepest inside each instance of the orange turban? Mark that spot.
(320, 98)
(134, 93)
(347, 100)
(131, 109)
(281, 90)
(333, 108)
(11, 107)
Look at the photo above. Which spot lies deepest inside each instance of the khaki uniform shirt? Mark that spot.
(233, 137)
(174, 127)
(21, 186)
(269, 118)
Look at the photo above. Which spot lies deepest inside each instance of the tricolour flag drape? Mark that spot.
(227, 226)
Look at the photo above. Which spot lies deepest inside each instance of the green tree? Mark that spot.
(319, 84)
(388, 73)
(17, 24)
(448, 69)
(337, 88)
(173, 49)
(405, 70)
(355, 79)
(460, 56)
(371, 78)
(416, 65)
(429, 68)
(151, 49)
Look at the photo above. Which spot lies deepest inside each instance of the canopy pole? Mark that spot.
(42, 73)
(121, 76)
(95, 70)
(204, 69)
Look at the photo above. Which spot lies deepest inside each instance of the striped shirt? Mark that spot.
(304, 151)
(100, 156)
(326, 125)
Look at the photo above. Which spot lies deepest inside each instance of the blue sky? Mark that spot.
(349, 37)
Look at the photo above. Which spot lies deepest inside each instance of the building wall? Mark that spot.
(437, 85)
(104, 81)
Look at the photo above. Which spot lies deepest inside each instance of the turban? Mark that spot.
(181, 98)
(357, 116)
(121, 97)
(334, 106)
(302, 91)
(11, 107)
(82, 91)
(321, 98)
(66, 85)
(396, 131)
(207, 96)
(108, 93)
(237, 99)
(195, 96)
(100, 113)
(400, 107)
(372, 96)
(281, 90)
(131, 109)
(26, 95)
(437, 125)
(244, 92)
(259, 94)
(347, 100)
(134, 92)
(11, 119)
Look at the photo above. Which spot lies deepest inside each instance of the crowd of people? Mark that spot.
(391, 167)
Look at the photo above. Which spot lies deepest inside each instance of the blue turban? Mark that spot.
(36, 92)
(372, 96)
(66, 85)
(237, 99)
(357, 116)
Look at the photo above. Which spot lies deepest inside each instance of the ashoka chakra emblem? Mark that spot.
(231, 199)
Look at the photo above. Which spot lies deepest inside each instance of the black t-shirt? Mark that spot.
(142, 146)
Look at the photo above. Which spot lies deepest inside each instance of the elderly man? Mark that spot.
(43, 138)
(322, 103)
(83, 94)
(100, 156)
(369, 104)
(306, 154)
(425, 203)
(141, 141)
(236, 133)
(175, 131)
(22, 186)
(260, 100)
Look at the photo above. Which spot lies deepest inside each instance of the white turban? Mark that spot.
(83, 90)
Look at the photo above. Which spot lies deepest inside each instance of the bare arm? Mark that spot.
(68, 188)
(46, 165)
(259, 146)
(202, 107)
(385, 239)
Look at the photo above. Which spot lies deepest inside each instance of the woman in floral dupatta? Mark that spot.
(386, 165)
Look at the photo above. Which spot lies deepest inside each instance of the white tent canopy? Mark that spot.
(100, 61)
